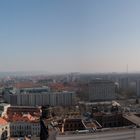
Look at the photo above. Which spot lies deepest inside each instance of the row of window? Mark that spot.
(25, 127)
(4, 128)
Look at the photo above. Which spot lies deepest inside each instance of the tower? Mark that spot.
(138, 87)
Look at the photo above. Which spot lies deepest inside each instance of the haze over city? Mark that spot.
(69, 70)
(69, 36)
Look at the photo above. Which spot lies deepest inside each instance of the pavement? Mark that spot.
(129, 134)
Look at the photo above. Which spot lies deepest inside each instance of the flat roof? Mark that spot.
(133, 118)
(4, 104)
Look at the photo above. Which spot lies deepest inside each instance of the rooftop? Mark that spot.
(4, 104)
(3, 122)
(132, 118)
(22, 118)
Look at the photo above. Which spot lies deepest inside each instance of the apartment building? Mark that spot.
(39, 99)
(101, 90)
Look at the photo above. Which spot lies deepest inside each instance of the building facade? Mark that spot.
(138, 88)
(101, 90)
(4, 129)
(74, 124)
(124, 83)
(3, 108)
(24, 128)
(39, 99)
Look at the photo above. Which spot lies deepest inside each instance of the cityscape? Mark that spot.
(70, 106)
(69, 70)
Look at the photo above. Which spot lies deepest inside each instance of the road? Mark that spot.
(129, 134)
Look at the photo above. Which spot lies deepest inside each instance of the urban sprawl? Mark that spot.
(70, 107)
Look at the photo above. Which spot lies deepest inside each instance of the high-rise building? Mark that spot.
(101, 90)
(124, 83)
(41, 99)
(138, 88)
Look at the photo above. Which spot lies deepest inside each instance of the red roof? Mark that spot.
(26, 85)
(20, 117)
(3, 122)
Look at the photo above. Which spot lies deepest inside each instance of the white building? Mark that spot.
(101, 90)
(23, 128)
(33, 90)
(50, 98)
(3, 108)
(24, 125)
(4, 129)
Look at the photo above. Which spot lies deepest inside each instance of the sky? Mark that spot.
(59, 36)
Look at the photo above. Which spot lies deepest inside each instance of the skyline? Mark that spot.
(69, 36)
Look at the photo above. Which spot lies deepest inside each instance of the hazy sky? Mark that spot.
(70, 35)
